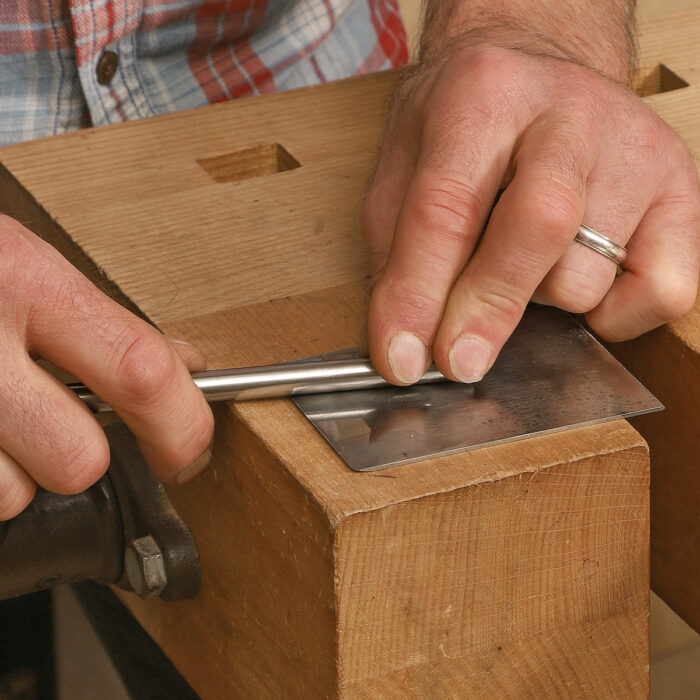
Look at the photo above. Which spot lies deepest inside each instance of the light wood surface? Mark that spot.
(519, 569)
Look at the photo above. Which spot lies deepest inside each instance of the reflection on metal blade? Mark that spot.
(552, 374)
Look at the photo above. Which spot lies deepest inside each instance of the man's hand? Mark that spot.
(47, 436)
(492, 108)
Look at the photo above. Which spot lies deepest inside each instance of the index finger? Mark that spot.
(446, 205)
(127, 363)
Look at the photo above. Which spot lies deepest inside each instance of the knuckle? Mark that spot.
(555, 211)
(400, 304)
(578, 290)
(449, 207)
(145, 366)
(501, 305)
(409, 306)
(478, 58)
(649, 131)
(672, 296)
(579, 302)
(61, 448)
(80, 465)
(491, 69)
(584, 90)
(565, 161)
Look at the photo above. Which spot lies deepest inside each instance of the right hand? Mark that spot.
(47, 436)
(565, 145)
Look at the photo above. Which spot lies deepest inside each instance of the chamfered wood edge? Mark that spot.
(636, 445)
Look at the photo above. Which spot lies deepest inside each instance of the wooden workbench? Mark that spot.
(520, 569)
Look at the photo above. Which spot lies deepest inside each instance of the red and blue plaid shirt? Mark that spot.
(176, 54)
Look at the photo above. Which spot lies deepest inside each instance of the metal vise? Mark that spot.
(123, 531)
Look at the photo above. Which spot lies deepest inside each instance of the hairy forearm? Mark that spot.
(599, 34)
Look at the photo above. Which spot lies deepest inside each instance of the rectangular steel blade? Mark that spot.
(552, 374)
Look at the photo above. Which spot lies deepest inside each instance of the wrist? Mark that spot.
(598, 35)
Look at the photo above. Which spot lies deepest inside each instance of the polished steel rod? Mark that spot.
(272, 381)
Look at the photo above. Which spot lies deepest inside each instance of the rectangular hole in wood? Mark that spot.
(246, 163)
(657, 79)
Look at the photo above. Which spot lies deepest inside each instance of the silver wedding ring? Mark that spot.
(601, 244)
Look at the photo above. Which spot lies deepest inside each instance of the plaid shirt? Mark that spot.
(176, 54)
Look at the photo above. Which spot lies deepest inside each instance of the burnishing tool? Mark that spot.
(299, 378)
(552, 374)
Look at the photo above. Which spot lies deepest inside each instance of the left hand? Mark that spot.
(566, 145)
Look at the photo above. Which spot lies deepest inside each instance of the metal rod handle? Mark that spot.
(272, 381)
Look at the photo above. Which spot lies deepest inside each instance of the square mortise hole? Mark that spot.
(246, 163)
(660, 78)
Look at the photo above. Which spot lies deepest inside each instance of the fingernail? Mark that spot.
(407, 357)
(470, 358)
(193, 469)
(178, 341)
(195, 360)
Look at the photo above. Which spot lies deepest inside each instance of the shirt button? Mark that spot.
(107, 67)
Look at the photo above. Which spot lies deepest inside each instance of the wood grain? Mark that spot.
(520, 570)
(256, 239)
(512, 579)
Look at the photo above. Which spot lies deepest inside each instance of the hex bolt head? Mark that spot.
(145, 567)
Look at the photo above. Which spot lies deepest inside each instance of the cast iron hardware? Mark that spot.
(123, 530)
